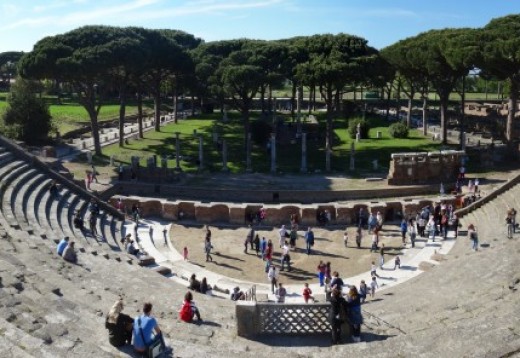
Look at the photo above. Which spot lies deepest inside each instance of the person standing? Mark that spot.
(472, 232)
(337, 314)
(397, 262)
(431, 227)
(382, 256)
(285, 258)
(280, 293)
(207, 249)
(263, 247)
(336, 282)
(404, 230)
(185, 253)
(309, 240)
(94, 174)
(146, 330)
(509, 224)
(359, 236)
(272, 277)
(307, 294)
(256, 241)
(345, 238)
(412, 231)
(373, 270)
(282, 235)
(321, 273)
(355, 317)
(362, 291)
(373, 286)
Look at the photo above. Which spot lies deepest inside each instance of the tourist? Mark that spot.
(280, 293)
(373, 270)
(328, 273)
(237, 295)
(336, 282)
(362, 291)
(379, 218)
(404, 230)
(208, 233)
(78, 221)
(146, 330)
(94, 174)
(165, 235)
(282, 233)
(475, 187)
(307, 294)
(382, 256)
(412, 231)
(185, 253)
(321, 273)
(62, 245)
(250, 237)
(194, 283)
(150, 232)
(188, 309)
(207, 249)
(345, 238)
(421, 225)
(455, 225)
(431, 227)
(263, 247)
(373, 286)
(136, 228)
(92, 221)
(513, 216)
(131, 249)
(69, 254)
(293, 235)
(397, 262)
(444, 224)
(294, 220)
(337, 314)
(362, 218)
(53, 188)
(373, 248)
(309, 240)
(359, 236)
(372, 222)
(285, 258)
(509, 224)
(269, 251)
(473, 236)
(355, 317)
(119, 325)
(462, 172)
(272, 277)
(256, 241)
(205, 288)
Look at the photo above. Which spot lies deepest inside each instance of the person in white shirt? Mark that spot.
(283, 234)
(272, 276)
(285, 258)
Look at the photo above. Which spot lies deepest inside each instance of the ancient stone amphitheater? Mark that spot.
(468, 306)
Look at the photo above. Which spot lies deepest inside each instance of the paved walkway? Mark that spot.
(413, 262)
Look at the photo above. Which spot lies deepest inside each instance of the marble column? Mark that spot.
(273, 153)
(303, 167)
(177, 151)
(201, 154)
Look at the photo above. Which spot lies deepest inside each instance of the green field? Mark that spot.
(288, 155)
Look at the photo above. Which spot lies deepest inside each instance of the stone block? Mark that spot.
(188, 210)
(169, 211)
(165, 271)
(309, 215)
(146, 261)
(212, 213)
(280, 215)
(237, 214)
(151, 208)
(247, 318)
(345, 215)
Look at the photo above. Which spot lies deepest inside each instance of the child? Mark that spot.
(185, 253)
(362, 291)
(359, 235)
(345, 238)
(373, 269)
(307, 294)
(373, 286)
(397, 262)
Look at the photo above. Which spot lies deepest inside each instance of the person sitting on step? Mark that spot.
(62, 245)
(119, 325)
(69, 254)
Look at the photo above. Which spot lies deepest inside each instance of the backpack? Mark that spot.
(186, 312)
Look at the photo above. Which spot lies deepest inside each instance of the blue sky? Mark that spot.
(381, 22)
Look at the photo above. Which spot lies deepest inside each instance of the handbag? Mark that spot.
(155, 348)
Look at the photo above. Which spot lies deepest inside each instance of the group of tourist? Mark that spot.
(66, 249)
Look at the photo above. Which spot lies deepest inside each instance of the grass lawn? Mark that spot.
(288, 154)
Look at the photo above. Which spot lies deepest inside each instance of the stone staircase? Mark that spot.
(467, 306)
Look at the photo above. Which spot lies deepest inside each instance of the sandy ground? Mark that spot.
(230, 260)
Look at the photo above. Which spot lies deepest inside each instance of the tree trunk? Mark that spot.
(175, 105)
(157, 109)
(443, 99)
(122, 109)
(425, 114)
(245, 114)
(388, 95)
(409, 114)
(398, 100)
(94, 126)
(513, 96)
(462, 114)
(328, 133)
(262, 99)
(140, 114)
(293, 99)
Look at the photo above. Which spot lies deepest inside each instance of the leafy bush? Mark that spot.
(260, 131)
(27, 118)
(398, 130)
(363, 129)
